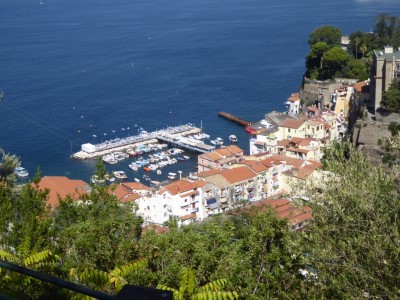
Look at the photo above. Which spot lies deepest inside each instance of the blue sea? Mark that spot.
(72, 69)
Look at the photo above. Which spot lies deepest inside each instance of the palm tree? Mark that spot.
(357, 41)
(189, 291)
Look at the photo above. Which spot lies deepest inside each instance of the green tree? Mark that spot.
(356, 69)
(353, 240)
(327, 34)
(334, 60)
(314, 59)
(24, 287)
(98, 232)
(391, 98)
(189, 290)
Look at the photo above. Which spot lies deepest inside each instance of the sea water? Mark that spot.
(76, 71)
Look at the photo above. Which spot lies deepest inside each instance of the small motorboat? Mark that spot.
(147, 169)
(171, 177)
(21, 172)
(133, 166)
(186, 157)
(120, 175)
(137, 180)
(172, 174)
(233, 138)
(158, 172)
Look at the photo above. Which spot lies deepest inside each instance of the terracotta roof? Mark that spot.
(285, 210)
(359, 85)
(156, 228)
(208, 173)
(123, 193)
(136, 186)
(233, 149)
(62, 186)
(222, 153)
(314, 123)
(188, 217)
(237, 174)
(277, 159)
(255, 166)
(292, 123)
(182, 185)
(294, 97)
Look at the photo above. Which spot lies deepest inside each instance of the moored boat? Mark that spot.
(233, 138)
(120, 175)
(21, 172)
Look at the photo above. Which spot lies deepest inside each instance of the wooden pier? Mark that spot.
(233, 118)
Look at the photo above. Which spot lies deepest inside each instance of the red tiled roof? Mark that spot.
(63, 187)
(294, 97)
(136, 186)
(292, 123)
(285, 209)
(208, 173)
(359, 85)
(182, 185)
(123, 193)
(255, 166)
(237, 174)
(156, 228)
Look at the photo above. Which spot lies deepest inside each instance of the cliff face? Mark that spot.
(318, 90)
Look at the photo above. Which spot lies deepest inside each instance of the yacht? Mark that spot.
(120, 175)
(21, 172)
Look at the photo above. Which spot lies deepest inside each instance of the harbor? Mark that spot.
(178, 136)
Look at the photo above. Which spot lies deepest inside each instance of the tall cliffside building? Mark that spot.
(386, 67)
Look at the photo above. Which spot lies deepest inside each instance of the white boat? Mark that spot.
(172, 174)
(21, 172)
(120, 175)
(233, 138)
(110, 159)
(96, 179)
(159, 172)
(171, 177)
(133, 166)
(109, 178)
(137, 180)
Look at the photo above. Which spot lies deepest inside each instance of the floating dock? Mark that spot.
(233, 118)
(177, 136)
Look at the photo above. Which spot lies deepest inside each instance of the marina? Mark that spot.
(178, 136)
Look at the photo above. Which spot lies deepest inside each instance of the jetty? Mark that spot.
(178, 136)
(233, 118)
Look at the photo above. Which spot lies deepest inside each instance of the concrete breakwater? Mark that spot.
(176, 134)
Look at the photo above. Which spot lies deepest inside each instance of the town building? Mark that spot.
(60, 187)
(219, 158)
(385, 68)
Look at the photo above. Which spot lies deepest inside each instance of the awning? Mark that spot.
(211, 201)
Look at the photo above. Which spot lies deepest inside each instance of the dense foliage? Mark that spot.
(391, 98)
(358, 62)
(351, 249)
